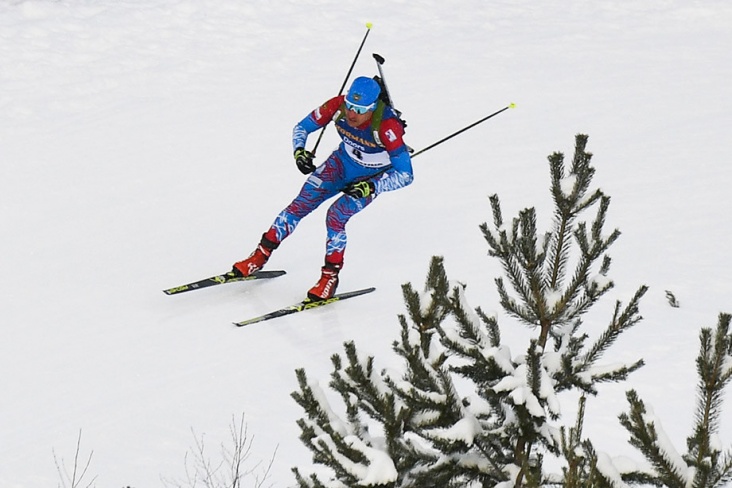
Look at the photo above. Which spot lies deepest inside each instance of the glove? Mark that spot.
(360, 189)
(304, 161)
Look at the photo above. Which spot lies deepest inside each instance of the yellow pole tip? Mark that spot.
(369, 25)
(511, 105)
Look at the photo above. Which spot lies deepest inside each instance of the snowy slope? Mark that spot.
(146, 144)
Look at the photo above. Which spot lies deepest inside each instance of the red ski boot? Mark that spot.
(326, 286)
(257, 259)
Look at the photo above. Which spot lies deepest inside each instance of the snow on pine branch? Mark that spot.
(425, 302)
(465, 430)
(600, 372)
(609, 470)
(502, 356)
(378, 470)
(552, 359)
(414, 341)
(666, 448)
(433, 397)
(472, 316)
(553, 299)
(339, 426)
(547, 392)
(520, 392)
(600, 281)
(726, 367)
(567, 184)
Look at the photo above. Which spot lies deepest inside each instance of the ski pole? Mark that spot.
(355, 58)
(510, 105)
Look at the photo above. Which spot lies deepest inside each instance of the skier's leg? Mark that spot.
(337, 217)
(320, 185)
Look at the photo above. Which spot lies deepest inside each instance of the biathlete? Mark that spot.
(371, 159)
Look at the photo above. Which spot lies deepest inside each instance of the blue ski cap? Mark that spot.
(364, 93)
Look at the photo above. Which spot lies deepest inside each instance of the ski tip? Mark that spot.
(511, 105)
(228, 277)
(269, 274)
(369, 25)
(176, 290)
(305, 304)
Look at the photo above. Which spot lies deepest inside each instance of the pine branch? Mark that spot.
(563, 220)
(534, 368)
(621, 322)
(582, 169)
(311, 482)
(324, 433)
(358, 381)
(569, 202)
(714, 370)
(571, 450)
(439, 416)
(512, 307)
(492, 328)
(514, 253)
(427, 317)
(723, 472)
(420, 371)
(670, 468)
(579, 370)
(469, 342)
(596, 477)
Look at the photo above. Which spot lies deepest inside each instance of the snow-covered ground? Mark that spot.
(146, 143)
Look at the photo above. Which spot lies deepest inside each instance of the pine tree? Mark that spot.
(466, 412)
(357, 455)
(704, 465)
(552, 286)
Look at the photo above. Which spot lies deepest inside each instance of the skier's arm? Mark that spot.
(314, 121)
(400, 174)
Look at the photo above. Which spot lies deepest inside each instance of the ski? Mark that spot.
(306, 304)
(229, 277)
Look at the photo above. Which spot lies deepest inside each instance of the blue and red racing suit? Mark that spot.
(359, 156)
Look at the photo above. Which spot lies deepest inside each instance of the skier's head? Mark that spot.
(362, 95)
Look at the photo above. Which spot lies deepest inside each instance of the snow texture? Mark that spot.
(146, 144)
